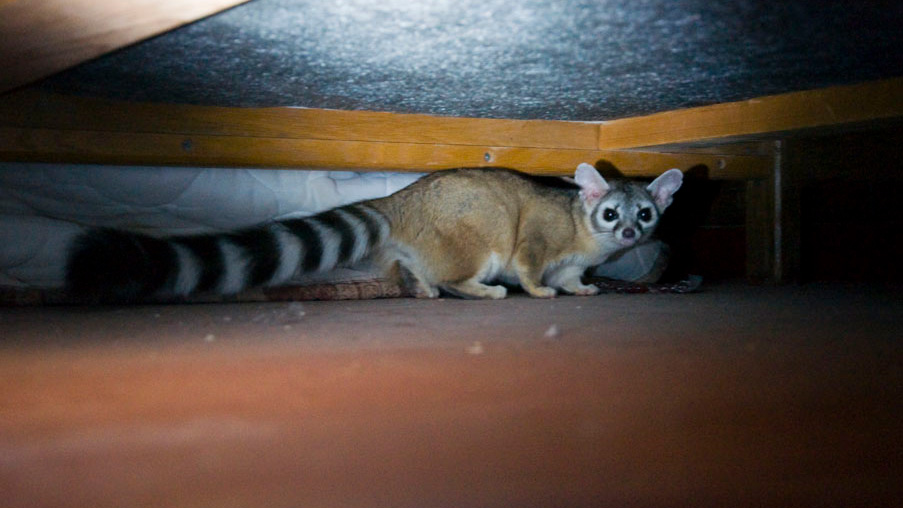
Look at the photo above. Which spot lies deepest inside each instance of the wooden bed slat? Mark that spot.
(39, 127)
(773, 116)
(72, 146)
(35, 109)
(42, 37)
(42, 127)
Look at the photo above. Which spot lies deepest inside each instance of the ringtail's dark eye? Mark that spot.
(609, 214)
(645, 215)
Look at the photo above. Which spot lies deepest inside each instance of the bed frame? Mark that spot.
(749, 140)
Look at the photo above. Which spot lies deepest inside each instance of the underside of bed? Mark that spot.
(786, 118)
(730, 91)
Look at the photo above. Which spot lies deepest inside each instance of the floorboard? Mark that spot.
(737, 395)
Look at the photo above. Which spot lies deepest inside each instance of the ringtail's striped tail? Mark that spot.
(115, 265)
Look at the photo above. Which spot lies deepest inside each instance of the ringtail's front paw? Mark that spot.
(584, 290)
(542, 292)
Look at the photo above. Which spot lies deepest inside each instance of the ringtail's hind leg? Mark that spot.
(400, 264)
(415, 284)
(470, 285)
(473, 288)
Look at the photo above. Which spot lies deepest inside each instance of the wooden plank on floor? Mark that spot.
(42, 37)
(773, 116)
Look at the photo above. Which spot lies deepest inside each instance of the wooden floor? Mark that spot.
(735, 396)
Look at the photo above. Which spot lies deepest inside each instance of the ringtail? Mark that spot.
(466, 232)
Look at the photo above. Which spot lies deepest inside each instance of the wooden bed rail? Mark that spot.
(775, 116)
(37, 127)
(40, 127)
(48, 128)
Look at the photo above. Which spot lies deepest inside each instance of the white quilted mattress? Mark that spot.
(43, 206)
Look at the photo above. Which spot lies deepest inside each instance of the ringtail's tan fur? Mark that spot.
(464, 231)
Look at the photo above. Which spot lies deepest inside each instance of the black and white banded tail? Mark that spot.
(114, 265)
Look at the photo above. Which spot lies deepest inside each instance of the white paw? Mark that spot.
(496, 292)
(424, 291)
(583, 290)
(543, 292)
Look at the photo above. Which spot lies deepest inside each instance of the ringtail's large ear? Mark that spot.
(664, 187)
(592, 186)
